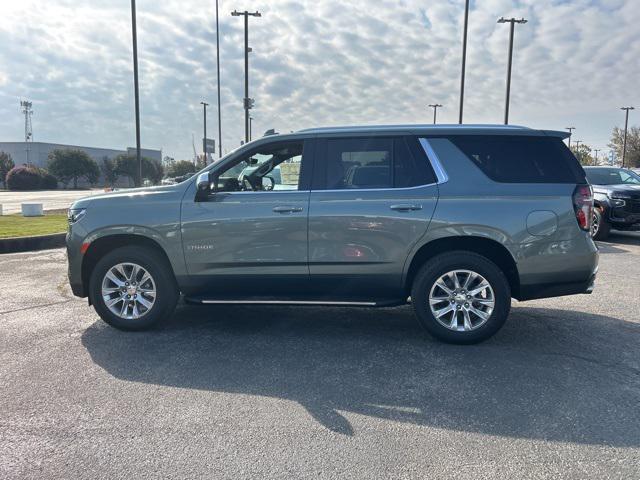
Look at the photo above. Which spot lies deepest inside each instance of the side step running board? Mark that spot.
(206, 301)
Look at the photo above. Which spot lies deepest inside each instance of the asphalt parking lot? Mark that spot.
(277, 392)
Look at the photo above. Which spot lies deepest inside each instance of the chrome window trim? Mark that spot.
(260, 191)
(441, 173)
(390, 189)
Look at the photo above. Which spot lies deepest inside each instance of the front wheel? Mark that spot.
(461, 297)
(600, 228)
(133, 288)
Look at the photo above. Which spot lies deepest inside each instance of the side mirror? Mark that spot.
(203, 186)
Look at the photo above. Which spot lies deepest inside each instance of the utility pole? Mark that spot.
(571, 129)
(435, 107)
(204, 139)
(218, 75)
(626, 125)
(464, 58)
(512, 22)
(596, 150)
(577, 148)
(136, 92)
(248, 102)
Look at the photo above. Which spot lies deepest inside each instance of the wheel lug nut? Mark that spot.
(466, 305)
(468, 296)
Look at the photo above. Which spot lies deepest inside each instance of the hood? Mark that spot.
(128, 195)
(620, 190)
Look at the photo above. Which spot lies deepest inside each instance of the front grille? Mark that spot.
(633, 206)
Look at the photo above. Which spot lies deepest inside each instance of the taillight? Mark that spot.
(583, 206)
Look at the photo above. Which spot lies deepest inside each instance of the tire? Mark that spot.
(162, 282)
(600, 228)
(482, 327)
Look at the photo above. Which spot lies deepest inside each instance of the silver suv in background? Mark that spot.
(455, 219)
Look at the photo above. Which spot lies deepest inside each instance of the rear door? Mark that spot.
(372, 198)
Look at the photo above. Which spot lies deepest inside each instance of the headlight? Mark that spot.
(75, 215)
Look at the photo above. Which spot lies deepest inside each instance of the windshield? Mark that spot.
(611, 176)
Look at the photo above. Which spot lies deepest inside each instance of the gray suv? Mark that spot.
(456, 220)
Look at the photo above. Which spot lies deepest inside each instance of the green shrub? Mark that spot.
(24, 178)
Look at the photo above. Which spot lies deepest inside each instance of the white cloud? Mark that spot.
(313, 63)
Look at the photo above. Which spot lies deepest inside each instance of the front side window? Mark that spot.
(272, 167)
(373, 163)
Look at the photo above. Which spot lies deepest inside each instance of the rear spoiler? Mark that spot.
(556, 133)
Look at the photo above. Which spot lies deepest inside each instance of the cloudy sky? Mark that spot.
(314, 63)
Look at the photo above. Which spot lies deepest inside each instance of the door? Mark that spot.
(371, 200)
(249, 236)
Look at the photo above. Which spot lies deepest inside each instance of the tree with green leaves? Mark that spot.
(72, 164)
(127, 166)
(181, 168)
(632, 158)
(6, 164)
(583, 154)
(109, 171)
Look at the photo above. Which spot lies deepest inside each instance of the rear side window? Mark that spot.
(521, 159)
(358, 163)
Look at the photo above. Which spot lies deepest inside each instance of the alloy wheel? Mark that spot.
(461, 300)
(128, 290)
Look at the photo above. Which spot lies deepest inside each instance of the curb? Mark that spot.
(27, 244)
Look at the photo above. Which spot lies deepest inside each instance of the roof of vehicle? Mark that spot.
(440, 129)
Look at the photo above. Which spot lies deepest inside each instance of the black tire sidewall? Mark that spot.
(604, 227)
(166, 288)
(441, 264)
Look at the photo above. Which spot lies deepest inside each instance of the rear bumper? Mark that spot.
(531, 292)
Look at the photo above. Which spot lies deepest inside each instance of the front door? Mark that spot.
(249, 237)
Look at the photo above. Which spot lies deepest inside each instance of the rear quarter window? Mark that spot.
(521, 159)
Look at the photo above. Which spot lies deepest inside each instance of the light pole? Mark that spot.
(626, 125)
(218, 75)
(248, 102)
(136, 92)
(512, 22)
(204, 139)
(435, 107)
(250, 127)
(596, 150)
(571, 129)
(578, 156)
(464, 57)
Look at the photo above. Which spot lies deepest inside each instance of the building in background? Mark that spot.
(38, 152)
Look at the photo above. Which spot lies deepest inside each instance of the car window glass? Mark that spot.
(271, 168)
(359, 163)
(521, 159)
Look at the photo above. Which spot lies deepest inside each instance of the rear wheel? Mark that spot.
(600, 228)
(461, 297)
(133, 288)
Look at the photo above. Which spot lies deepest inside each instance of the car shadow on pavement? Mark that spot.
(548, 374)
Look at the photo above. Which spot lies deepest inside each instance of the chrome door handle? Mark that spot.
(403, 207)
(287, 209)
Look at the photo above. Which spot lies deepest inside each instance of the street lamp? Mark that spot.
(626, 125)
(512, 22)
(571, 129)
(435, 107)
(464, 57)
(248, 102)
(250, 127)
(204, 139)
(218, 76)
(136, 93)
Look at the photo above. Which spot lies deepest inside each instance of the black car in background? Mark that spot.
(616, 200)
